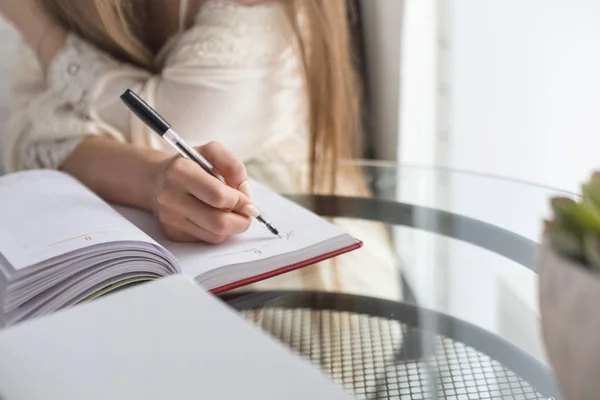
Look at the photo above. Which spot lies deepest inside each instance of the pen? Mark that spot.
(158, 124)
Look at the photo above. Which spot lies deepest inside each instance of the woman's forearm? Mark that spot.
(119, 173)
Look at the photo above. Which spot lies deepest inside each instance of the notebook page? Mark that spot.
(299, 228)
(46, 214)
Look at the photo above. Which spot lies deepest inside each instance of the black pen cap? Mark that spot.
(144, 112)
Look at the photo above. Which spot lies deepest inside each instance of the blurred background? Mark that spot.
(506, 89)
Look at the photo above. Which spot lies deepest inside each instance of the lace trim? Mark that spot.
(74, 72)
(59, 118)
(227, 34)
(231, 13)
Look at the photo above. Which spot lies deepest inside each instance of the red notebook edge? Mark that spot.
(288, 268)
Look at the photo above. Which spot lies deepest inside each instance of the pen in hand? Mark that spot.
(159, 125)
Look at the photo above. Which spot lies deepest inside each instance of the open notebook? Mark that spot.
(60, 245)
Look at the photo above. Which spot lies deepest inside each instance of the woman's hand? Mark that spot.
(252, 2)
(192, 205)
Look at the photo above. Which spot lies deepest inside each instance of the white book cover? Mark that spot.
(162, 340)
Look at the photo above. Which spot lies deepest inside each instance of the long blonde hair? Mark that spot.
(321, 27)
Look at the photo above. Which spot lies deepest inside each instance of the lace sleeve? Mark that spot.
(86, 79)
(52, 115)
(74, 72)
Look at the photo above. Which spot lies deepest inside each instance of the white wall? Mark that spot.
(508, 88)
(515, 93)
(525, 86)
(419, 86)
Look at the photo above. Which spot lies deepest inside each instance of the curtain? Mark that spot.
(360, 59)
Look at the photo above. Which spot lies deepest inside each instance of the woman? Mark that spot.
(272, 82)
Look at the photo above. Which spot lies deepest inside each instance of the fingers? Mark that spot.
(184, 218)
(192, 205)
(183, 230)
(209, 190)
(177, 235)
(252, 2)
(219, 222)
(228, 165)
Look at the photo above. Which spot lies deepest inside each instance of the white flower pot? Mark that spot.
(570, 316)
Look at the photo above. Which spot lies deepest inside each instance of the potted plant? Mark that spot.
(569, 267)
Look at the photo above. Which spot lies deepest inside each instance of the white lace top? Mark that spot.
(234, 76)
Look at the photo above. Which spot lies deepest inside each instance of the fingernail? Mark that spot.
(250, 211)
(245, 188)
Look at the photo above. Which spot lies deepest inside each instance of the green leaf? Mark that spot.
(589, 198)
(591, 193)
(575, 217)
(563, 241)
(591, 247)
(562, 206)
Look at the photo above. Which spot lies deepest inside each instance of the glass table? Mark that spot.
(464, 322)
